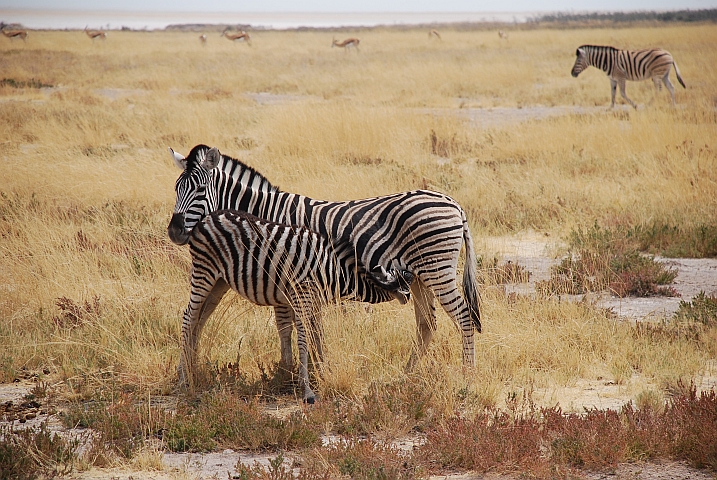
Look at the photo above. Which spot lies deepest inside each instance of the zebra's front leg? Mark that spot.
(302, 301)
(201, 305)
(285, 325)
(425, 309)
(613, 91)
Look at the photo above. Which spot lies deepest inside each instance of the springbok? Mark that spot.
(434, 33)
(346, 44)
(203, 39)
(242, 36)
(94, 34)
(503, 35)
(13, 34)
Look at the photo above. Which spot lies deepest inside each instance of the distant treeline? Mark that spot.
(708, 15)
(556, 20)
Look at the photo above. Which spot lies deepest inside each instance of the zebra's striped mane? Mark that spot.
(235, 168)
(598, 47)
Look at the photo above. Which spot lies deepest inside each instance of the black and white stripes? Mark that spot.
(271, 264)
(633, 65)
(419, 232)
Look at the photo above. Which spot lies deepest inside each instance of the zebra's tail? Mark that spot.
(679, 77)
(470, 281)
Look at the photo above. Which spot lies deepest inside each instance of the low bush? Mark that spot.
(600, 258)
(224, 419)
(32, 452)
(702, 309)
(120, 426)
(698, 241)
(547, 442)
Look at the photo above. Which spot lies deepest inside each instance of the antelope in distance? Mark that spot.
(13, 34)
(203, 39)
(242, 36)
(434, 33)
(503, 35)
(95, 34)
(346, 44)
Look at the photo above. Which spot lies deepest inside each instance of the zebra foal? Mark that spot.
(633, 65)
(270, 264)
(418, 232)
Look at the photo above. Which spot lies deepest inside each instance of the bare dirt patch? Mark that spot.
(537, 253)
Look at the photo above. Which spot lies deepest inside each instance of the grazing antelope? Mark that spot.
(434, 33)
(242, 36)
(346, 44)
(203, 39)
(503, 35)
(94, 34)
(13, 34)
(633, 65)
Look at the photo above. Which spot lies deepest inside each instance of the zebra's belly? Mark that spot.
(260, 290)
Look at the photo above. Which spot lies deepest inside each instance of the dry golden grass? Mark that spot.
(87, 192)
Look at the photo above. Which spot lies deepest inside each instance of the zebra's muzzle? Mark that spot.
(176, 231)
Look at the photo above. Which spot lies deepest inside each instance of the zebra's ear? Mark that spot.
(211, 159)
(179, 159)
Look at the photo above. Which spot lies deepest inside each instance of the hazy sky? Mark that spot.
(359, 5)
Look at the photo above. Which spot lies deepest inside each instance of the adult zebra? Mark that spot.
(420, 232)
(633, 65)
(270, 264)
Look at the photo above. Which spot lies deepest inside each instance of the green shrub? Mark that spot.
(600, 259)
(32, 452)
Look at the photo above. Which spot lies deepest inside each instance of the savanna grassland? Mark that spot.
(92, 290)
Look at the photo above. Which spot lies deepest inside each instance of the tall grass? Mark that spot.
(91, 288)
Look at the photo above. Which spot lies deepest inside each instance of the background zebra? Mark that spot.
(633, 65)
(269, 264)
(420, 232)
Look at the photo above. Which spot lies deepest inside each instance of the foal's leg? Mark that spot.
(302, 300)
(203, 299)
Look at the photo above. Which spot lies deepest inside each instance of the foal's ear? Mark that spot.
(179, 159)
(211, 159)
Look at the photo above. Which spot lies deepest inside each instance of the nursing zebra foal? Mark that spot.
(419, 232)
(633, 65)
(276, 265)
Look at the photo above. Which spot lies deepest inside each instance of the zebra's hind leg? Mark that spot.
(201, 305)
(457, 308)
(425, 309)
(656, 81)
(668, 84)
